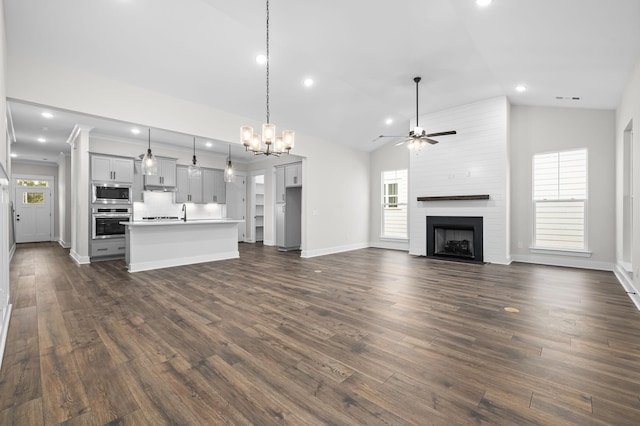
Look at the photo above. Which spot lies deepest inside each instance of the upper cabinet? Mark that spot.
(214, 189)
(293, 175)
(189, 187)
(280, 185)
(166, 176)
(111, 169)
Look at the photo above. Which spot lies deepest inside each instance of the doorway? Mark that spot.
(255, 231)
(33, 220)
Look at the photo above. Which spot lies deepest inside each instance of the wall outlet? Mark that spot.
(520, 245)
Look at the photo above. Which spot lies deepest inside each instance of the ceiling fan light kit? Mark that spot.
(418, 138)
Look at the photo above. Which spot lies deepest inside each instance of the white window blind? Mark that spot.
(394, 203)
(559, 197)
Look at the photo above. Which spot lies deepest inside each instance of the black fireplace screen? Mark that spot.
(455, 237)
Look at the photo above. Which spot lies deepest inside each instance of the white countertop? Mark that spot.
(180, 222)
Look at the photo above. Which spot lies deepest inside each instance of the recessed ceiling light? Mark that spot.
(483, 3)
(521, 88)
(47, 115)
(308, 82)
(209, 144)
(135, 131)
(261, 59)
(388, 121)
(41, 140)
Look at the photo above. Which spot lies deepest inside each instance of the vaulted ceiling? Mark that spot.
(362, 55)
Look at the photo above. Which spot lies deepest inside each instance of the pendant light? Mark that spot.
(274, 145)
(229, 175)
(194, 167)
(149, 162)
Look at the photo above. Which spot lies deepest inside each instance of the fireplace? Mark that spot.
(456, 238)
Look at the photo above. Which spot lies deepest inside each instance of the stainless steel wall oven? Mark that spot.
(105, 221)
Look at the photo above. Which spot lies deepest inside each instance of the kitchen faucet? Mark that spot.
(184, 209)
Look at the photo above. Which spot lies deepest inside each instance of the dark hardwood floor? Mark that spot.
(365, 337)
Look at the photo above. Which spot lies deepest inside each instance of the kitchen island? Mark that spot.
(165, 243)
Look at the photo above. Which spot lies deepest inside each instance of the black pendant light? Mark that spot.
(229, 175)
(149, 162)
(194, 167)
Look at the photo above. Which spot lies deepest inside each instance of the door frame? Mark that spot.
(51, 185)
(242, 175)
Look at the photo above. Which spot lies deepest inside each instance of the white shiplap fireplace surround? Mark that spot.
(473, 162)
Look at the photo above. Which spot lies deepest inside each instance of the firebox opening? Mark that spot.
(455, 238)
(454, 242)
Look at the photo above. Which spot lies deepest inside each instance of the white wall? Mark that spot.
(385, 158)
(541, 129)
(4, 149)
(43, 169)
(627, 111)
(5, 170)
(473, 162)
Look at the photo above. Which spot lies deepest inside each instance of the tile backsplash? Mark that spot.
(158, 203)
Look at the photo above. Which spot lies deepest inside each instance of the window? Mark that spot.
(33, 198)
(394, 203)
(560, 198)
(29, 182)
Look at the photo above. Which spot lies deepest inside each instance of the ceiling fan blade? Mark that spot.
(391, 136)
(451, 132)
(402, 142)
(431, 141)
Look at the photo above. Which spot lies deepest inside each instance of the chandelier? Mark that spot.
(273, 145)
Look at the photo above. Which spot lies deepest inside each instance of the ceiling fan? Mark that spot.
(418, 137)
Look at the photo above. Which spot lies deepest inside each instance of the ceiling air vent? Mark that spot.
(568, 98)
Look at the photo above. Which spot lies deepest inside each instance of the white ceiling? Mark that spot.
(362, 55)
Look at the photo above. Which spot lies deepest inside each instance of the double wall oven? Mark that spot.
(111, 204)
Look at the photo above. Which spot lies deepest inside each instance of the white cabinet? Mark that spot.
(189, 187)
(166, 176)
(293, 175)
(108, 248)
(214, 188)
(111, 169)
(280, 185)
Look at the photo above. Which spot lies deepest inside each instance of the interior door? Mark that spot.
(237, 204)
(33, 214)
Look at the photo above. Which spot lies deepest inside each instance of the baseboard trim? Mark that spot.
(80, 260)
(391, 245)
(627, 285)
(332, 250)
(5, 332)
(568, 262)
(63, 244)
